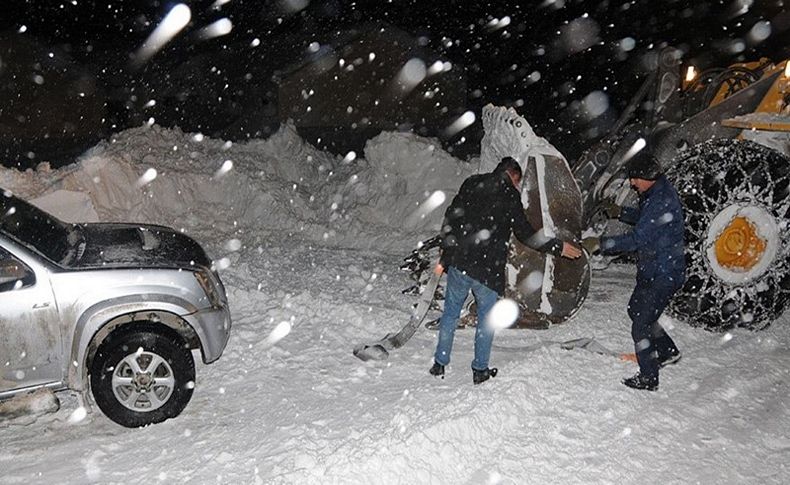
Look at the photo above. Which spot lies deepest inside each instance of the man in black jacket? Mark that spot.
(475, 234)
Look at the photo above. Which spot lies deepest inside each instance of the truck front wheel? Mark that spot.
(142, 375)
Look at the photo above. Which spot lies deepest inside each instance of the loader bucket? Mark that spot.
(549, 289)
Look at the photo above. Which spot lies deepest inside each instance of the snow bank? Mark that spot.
(259, 191)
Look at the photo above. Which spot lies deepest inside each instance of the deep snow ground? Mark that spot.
(315, 241)
(307, 411)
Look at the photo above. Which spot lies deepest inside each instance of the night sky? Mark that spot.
(541, 57)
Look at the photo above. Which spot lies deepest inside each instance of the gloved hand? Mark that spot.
(611, 209)
(591, 244)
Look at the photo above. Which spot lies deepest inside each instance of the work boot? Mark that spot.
(437, 370)
(673, 358)
(479, 376)
(467, 321)
(638, 381)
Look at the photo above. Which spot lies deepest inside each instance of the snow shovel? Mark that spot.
(380, 350)
(589, 343)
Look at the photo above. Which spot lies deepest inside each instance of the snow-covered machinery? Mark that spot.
(723, 136)
(548, 289)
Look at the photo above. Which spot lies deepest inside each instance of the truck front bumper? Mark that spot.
(212, 326)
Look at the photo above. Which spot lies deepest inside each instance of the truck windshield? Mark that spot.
(35, 228)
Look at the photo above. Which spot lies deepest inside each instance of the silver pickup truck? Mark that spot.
(111, 308)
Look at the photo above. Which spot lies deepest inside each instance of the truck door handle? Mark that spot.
(40, 305)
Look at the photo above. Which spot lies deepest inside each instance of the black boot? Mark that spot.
(437, 370)
(479, 376)
(638, 381)
(670, 359)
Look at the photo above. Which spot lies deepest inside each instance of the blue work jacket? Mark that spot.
(657, 236)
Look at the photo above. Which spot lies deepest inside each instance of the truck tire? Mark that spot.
(737, 213)
(142, 375)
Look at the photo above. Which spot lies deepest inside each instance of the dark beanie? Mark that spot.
(509, 164)
(643, 166)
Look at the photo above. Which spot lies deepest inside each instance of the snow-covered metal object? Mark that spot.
(379, 350)
(548, 289)
(734, 191)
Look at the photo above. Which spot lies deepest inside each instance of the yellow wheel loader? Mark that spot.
(722, 136)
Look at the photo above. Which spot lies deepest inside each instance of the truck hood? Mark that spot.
(113, 245)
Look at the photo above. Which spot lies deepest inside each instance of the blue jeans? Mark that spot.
(458, 286)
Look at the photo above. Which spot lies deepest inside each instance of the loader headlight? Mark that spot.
(787, 69)
(691, 73)
(204, 280)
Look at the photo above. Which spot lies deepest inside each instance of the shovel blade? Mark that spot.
(371, 352)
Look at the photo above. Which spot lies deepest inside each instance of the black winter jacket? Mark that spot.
(478, 224)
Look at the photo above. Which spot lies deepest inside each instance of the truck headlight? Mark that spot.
(205, 282)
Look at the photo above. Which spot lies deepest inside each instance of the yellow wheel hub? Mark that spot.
(739, 247)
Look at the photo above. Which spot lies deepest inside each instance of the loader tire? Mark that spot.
(737, 213)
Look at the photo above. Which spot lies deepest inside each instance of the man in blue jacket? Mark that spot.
(475, 234)
(657, 238)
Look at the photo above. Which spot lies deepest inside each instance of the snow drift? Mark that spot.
(276, 189)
